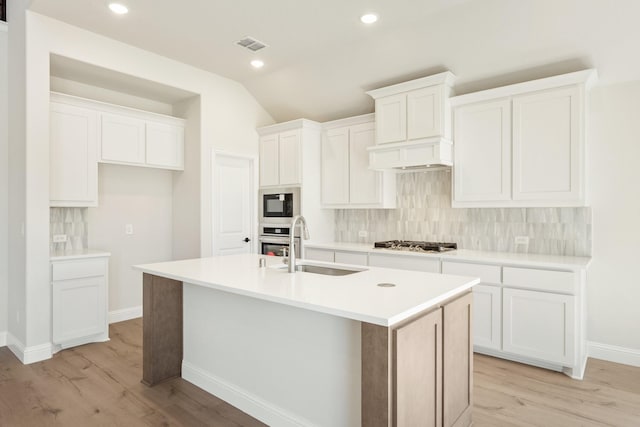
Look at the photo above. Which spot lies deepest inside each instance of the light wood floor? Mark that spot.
(99, 385)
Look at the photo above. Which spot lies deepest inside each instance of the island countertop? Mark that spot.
(355, 296)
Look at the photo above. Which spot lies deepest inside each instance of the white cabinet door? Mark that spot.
(355, 258)
(73, 161)
(405, 262)
(79, 308)
(391, 118)
(122, 139)
(365, 185)
(482, 151)
(290, 158)
(316, 254)
(539, 325)
(269, 160)
(165, 145)
(487, 316)
(547, 149)
(424, 113)
(335, 166)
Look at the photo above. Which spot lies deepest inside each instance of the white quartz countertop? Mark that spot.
(503, 258)
(77, 254)
(354, 296)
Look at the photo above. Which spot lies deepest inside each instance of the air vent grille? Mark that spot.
(251, 44)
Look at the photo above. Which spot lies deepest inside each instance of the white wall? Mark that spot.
(83, 90)
(17, 176)
(614, 179)
(4, 184)
(141, 197)
(231, 116)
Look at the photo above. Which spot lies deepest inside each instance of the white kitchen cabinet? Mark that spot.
(522, 145)
(79, 301)
(164, 145)
(120, 135)
(405, 262)
(348, 257)
(122, 139)
(317, 254)
(539, 325)
(413, 110)
(73, 164)
(548, 158)
(347, 181)
(482, 151)
(487, 301)
(280, 158)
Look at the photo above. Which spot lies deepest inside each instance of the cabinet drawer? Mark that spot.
(486, 273)
(78, 269)
(542, 280)
(356, 258)
(318, 254)
(408, 262)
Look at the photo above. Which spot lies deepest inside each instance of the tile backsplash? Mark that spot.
(73, 223)
(424, 212)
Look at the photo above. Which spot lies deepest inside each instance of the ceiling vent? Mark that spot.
(251, 44)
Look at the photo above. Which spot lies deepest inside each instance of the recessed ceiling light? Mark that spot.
(369, 18)
(118, 8)
(256, 63)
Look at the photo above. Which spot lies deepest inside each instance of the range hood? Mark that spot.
(413, 155)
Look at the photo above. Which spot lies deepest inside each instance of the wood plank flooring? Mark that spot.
(99, 385)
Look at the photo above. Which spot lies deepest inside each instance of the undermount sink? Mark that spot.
(326, 270)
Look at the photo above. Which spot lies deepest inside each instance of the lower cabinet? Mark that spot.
(419, 373)
(539, 325)
(316, 254)
(405, 262)
(355, 258)
(79, 301)
(487, 316)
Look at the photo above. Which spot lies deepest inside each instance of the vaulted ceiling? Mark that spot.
(321, 58)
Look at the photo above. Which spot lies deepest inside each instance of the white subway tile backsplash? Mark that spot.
(424, 212)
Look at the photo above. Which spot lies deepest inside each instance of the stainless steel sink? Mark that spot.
(328, 271)
(322, 269)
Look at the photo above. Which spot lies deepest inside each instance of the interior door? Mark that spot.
(234, 195)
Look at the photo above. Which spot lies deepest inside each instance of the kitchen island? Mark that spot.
(312, 349)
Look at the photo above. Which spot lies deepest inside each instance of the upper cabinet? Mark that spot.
(347, 181)
(413, 124)
(522, 145)
(136, 138)
(84, 132)
(282, 149)
(73, 168)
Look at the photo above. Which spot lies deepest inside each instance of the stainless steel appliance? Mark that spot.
(274, 238)
(279, 205)
(416, 246)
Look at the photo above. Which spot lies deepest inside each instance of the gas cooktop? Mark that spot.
(416, 246)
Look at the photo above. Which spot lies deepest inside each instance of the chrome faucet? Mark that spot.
(292, 233)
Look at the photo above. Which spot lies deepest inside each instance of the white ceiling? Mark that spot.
(321, 59)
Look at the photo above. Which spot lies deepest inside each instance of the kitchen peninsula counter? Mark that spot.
(309, 349)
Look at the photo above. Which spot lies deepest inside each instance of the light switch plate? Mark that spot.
(128, 229)
(522, 240)
(59, 238)
(362, 233)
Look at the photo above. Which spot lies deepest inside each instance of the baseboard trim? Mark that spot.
(116, 316)
(241, 399)
(3, 339)
(27, 355)
(612, 353)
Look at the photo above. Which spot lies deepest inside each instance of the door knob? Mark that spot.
(247, 240)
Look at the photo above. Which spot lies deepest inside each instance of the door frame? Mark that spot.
(253, 219)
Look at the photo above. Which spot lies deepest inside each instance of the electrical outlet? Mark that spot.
(522, 240)
(128, 229)
(363, 233)
(59, 238)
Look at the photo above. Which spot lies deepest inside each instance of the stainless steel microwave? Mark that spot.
(279, 205)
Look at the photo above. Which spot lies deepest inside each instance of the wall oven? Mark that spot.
(279, 205)
(274, 238)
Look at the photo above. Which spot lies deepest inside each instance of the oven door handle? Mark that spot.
(280, 240)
